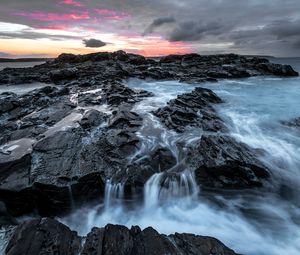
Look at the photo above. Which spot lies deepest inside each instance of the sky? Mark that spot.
(46, 28)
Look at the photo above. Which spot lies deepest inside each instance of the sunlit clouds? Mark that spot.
(152, 28)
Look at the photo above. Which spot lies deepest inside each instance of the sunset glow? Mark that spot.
(33, 28)
(50, 33)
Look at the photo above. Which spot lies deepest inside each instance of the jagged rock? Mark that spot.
(277, 69)
(15, 163)
(30, 115)
(8, 100)
(192, 109)
(64, 74)
(222, 162)
(42, 236)
(92, 118)
(137, 173)
(122, 65)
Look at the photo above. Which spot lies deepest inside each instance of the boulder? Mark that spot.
(221, 162)
(43, 236)
(192, 109)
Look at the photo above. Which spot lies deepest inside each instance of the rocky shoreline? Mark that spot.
(61, 144)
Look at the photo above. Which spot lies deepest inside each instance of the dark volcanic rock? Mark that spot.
(192, 109)
(277, 69)
(29, 115)
(46, 236)
(122, 65)
(141, 169)
(43, 236)
(222, 162)
(114, 94)
(64, 74)
(92, 118)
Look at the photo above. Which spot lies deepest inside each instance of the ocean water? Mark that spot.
(254, 222)
(18, 64)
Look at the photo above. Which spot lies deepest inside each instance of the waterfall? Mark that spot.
(114, 194)
(72, 204)
(163, 187)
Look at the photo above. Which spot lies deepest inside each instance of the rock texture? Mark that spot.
(222, 162)
(47, 236)
(191, 68)
(192, 109)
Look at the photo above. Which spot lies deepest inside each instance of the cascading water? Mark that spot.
(163, 189)
(250, 222)
(114, 195)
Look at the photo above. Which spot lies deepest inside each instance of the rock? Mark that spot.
(142, 168)
(8, 100)
(42, 236)
(92, 118)
(15, 164)
(221, 162)
(192, 109)
(30, 115)
(277, 69)
(121, 65)
(5, 218)
(64, 74)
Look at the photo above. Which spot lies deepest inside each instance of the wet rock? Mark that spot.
(5, 218)
(43, 236)
(46, 235)
(114, 94)
(121, 65)
(8, 100)
(92, 118)
(15, 163)
(277, 69)
(193, 244)
(141, 169)
(222, 162)
(192, 109)
(33, 113)
(64, 74)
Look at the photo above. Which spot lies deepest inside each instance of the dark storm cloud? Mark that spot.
(157, 23)
(285, 28)
(93, 43)
(192, 31)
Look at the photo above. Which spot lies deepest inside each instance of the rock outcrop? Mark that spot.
(191, 68)
(47, 236)
(193, 109)
(221, 162)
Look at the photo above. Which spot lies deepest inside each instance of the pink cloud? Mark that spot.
(72, 2)
(50, 16)
(52, 27)
(111, 14)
